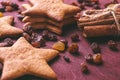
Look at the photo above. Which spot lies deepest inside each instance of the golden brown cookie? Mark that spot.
(49, 21)
(28, 6)
(22, 58)
(47, 26)
(44, 19)
(54, 9)
(6, 30)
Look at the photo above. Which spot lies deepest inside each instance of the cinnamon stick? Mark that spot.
(100, 30)
(97, 22)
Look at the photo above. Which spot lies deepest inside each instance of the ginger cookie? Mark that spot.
(54, 9)
(22, 58)
(6, 30)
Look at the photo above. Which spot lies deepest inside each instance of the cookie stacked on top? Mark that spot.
(49, 14)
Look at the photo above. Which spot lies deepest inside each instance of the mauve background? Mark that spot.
(110, 70)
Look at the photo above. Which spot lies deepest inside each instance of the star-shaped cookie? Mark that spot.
(55, 9)
(6, 30)
(47, 26)
(22, 58)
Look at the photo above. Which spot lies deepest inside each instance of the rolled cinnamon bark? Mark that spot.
(100, 30)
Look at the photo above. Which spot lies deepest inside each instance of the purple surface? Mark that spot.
(72, 71)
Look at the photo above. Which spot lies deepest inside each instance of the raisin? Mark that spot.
(20, 17)
(73, 48)
(14, 6)
(19, 11)
(80, 1)
(28, 29)
(89, 58)
(9, 41)
(84, 67)
(8, 9)
(34, 36)
(35, 44)
(45, 35)
(2, 9)
(66, 59)
(59, 46)
(52, 37)
(27, 37)
(39, 42)
(97, 58)
(75, 37)
(112, 45)
(95, 47)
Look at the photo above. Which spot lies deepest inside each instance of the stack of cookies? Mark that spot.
(102, 22)
(49, 14)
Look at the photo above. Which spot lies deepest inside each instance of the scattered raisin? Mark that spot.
(19, 11)
(89, 3)
(59, 46)
(45, 34)
(73, 48)
(2, 9)
(75, 37)
(14, 6)
(28, 29)
(41, 41)
(8, 9)
(20, 17)
(84, 67)
(27, 37)
(95, 47)
(80, 1)
(97, 58)
(66, 59)
(52, 37)
(89, 58)
(38, 42)
(34, 36)
(35, 44)
(112, 45)
(9, 41)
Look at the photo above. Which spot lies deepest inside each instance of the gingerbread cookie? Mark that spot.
(67, 20)
(49, 21)
(6, 30)
(54, 9)
(22, 58)
(49, 27)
